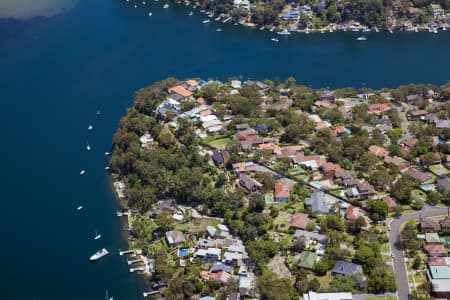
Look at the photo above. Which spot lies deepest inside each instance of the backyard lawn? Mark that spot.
(219, 143)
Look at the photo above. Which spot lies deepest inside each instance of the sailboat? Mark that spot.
(97, 236)
(107, 297)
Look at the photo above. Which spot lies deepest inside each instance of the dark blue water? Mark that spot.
(55, 73)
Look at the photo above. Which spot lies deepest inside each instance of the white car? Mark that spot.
(392, 255)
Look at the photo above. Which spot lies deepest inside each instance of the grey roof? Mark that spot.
(443, 184)
(320, 202)
(221, 267)
(323, 239)
(345, 268)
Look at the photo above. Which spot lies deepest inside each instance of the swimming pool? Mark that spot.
(183, 252)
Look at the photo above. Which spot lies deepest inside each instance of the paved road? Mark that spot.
(365, 296)
(399, 262)
(404, 122)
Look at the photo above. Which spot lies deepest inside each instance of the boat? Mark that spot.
(143, 2)
(82, 172)
(262, 28)
(99, 254)
(206, 21)
(390, 31)
(88, 147)
(321, 31)
(272, 29)
(376, 29)
(80, 207)
(355, 30)
(361, 38)
(107, 153)
(107, 297)
(191, 13)
(90, 127)
(274, 40)
(98, 113)
(150, 14)
(219, 29)
(217, 19)
(166, 5)
(107, 168)
(135, 6)
(97, 236)
(284, 32)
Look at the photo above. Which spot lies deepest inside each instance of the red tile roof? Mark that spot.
(299, 221)
(378, 108)
(390, 202)
(353, 212)
(282, 190)
(378, 151)
(437, 261)
(181, 91)
(438, 249)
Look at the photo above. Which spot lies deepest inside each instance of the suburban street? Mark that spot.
(399, 261)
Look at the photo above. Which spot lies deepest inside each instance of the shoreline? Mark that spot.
(225, 18)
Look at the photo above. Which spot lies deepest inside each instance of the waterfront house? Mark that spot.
(181, 91)
(436, 250)
(175, 238)
(326, 94)
(429, 225)
(346, 269)
(307, 260)
(321, 203)
(299, 221)
(378, 108)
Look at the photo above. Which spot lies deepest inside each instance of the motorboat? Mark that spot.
(206, 21)
(284, 32)
(99, 254)
(80, 207)
(88, 147)
(82, 172)
(361, 38)
(107, 168)
(274, 40)
(150, 14)
(107, 153)
(90, 127)
(166, 5)
(97, 236)
(191, 13)
(219, 29)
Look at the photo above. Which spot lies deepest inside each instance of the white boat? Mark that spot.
(107, 153)
(80, 207)
(206, 21)
(98, 113)
(90, 127)
(355, 30)
(191, 13)
(135, 6)
(262, 28)
(82, 172)
(217, 19)
(143, 2)
(166, 5)
(272, 29)
(97, 236)
(150, 14)
(321, 31)
(274, 40)
(88, 147)
(107, 168)
(219, 29)
(376, 29)
(390, 31)
(99, 254)
(284, 32)
(361, 38)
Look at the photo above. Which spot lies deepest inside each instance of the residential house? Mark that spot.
(409, 144)
(220, 156)
(146, 140)
(307, 260)
(378, 108)
(247, 135)
(329, 169)
(362, 190)
(346, 269)
(439, 277)
(445, 224)
(436, 250)
(299, 221)
(353, 213)
(327, 296)
(175, 238)
(429, 225)
(245, 285)
(181, 91)
(219, 267)
(390, 203)
(436, 158)
(233, 259)
(338, 131)
(221, 277)
(432, 238)
(282, 191)
(312, 162)
(321, 203)
(378, 151)
(248, 183)
(310, 236)
(419, 176)
(418, 115)
(210, 254)
(207, 298)
(412, 98)
(396, 161)
(438, 261)
(437, 11)
(327, 95)
(443, 185)
(211, 231)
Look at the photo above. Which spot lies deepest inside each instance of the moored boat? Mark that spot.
(284, 32)
(99, 254)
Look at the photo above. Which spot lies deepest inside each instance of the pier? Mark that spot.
(126, 252)
(137, 269)
(130, 262)
(145, 294)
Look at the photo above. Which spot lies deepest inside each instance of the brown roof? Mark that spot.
(446, 223)
(389, 201)
(418, 175)
(418, 113)
(378, 151)
(429, 224)
(378, 108)
(438, 249)
(396, 161)
(181, 91)
(299, 221)
(282, 190)
(410, 142)
(352, 212)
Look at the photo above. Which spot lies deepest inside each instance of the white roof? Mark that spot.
(228, 256)
(327, 296)
(215, 128)
(235, 84)
(212, 123)
(210, 251)
(223, 227)
(146, 139)
(315, 118)
(441, 285)
(177, 217)
(208, 118)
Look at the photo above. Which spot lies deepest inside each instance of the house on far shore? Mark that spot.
(175, 238)
(346, 269)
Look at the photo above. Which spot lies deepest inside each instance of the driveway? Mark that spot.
(399, 261)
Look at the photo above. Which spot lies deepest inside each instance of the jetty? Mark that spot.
(121, 214)
(145, 294)
(131, 251)
(137, 269)
(130, 262)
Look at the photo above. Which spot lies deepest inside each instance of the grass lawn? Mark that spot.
(199, 225)
(323, 280)
(439, 170)
(182, 227)
(282, 221)
(219, 143)
(418, 195)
